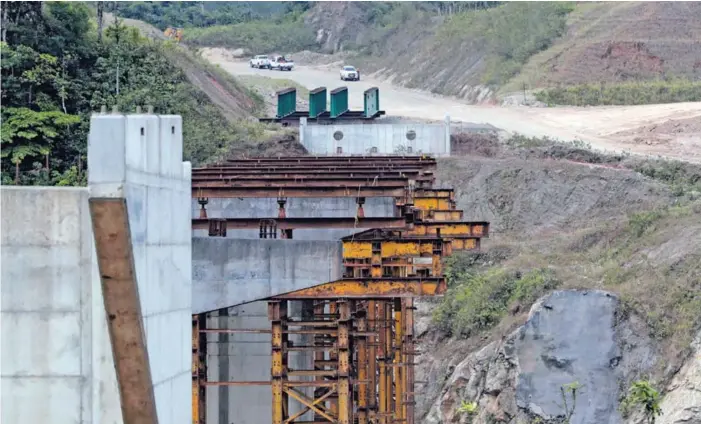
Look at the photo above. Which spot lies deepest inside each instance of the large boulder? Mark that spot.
(572, 336)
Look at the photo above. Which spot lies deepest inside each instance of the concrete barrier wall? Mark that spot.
(57, 364)
(229, 272)
(156, 184)
(376, 138)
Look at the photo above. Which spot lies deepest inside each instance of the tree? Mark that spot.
(100, 12)
(643, 395)
(26, 133)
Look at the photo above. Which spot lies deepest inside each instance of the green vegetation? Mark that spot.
(642, 395)
(569, 391)
(256, 36)
(57, 70)
(195, 14)
(628, 93)
(476, 301)
(511, 33)
(469, 408)
(683, 178)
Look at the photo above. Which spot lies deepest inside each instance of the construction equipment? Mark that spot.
(174, 33)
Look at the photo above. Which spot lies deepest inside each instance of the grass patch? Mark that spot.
(274, 84)
(512, 32)
(257, 36)
(476, 301)
(628, 93)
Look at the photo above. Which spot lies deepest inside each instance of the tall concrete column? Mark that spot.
(447, 135)
(302, 130)
(223, 366)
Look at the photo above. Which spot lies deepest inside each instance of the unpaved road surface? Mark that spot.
(605, 128)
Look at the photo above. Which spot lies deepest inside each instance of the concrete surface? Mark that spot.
(249, 359)
(156, 184)
(564, 342)
(312, 207)
(57, 362)
(229, 272)
(376, 138)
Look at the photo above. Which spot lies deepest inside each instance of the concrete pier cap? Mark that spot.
(139, 158)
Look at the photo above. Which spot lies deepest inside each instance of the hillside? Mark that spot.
(59, 66)
(484, 50)
(612, 242)
(233, 100)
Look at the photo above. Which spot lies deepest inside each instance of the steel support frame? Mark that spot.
(362, 327)
(363, 362)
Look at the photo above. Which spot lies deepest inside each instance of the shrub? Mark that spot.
(628, 93)
(477, 301)
(512, 32)
(640, 222)
(258, 36)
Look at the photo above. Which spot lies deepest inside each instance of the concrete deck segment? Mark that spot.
(138, 158)
(229, 272)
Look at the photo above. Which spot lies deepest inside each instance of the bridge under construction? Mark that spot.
(251, 291)
(359, 328)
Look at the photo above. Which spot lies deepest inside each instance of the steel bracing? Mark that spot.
(360, 328)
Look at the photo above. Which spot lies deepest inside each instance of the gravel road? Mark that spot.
(599, 126)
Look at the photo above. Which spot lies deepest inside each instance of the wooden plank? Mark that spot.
(115, 260)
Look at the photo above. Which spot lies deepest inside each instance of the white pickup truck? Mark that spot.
(261, 61)
(349, 73)
(281, 63)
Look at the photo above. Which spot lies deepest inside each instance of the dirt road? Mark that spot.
(607, 128)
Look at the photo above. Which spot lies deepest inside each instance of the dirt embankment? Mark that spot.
(595, 223)
(598, 126)
(233, 100)
(603, 42)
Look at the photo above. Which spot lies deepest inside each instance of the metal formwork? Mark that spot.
(371, 102)
(339, 108)
(317, 102)
(339, 102)
(286, 102)
(361, 326)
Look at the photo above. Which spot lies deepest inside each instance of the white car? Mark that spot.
(349, 73)
(261, 61)
(281, 63)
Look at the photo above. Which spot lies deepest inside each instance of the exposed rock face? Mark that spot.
(682, 403)
(570, 336)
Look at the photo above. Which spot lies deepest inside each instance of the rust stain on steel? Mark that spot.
(334, 159)
(372, 289)
(285, 183)
(304, 223)
(297, 192)
(123, 309)
(307, 173)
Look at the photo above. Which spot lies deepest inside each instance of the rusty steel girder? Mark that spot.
(293, 173)
(350, 160)
(360, 332)
(304, 223)
(371, 288)
(262, 191)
